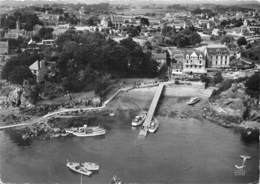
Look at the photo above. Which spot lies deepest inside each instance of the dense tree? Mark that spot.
(83, 57)
(19, 74)
(227, 40)
(208, 12)
(194, 38)
(92, 21)
(45, 33)
(168, 31)
(218, 78)
(69, 18)
(241, 41)
(232, 22)
(21, 62)
(133, 31)
(144, 21)
(253, 86)
(183, 38)
(26, 19)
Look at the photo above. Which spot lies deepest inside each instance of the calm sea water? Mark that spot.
(182, 151)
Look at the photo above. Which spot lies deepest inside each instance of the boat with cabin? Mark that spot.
(86, 131)
(139, 119)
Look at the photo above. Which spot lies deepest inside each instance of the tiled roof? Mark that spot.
(217, 50)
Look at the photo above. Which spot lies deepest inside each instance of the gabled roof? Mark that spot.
(193, 52)
(34, 66)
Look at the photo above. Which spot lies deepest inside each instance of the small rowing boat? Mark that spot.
(193, 101)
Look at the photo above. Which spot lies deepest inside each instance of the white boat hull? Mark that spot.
(73, 166)
(96, 132)
(193, 101)
(135, 124)
(153, 129)
(91, 166)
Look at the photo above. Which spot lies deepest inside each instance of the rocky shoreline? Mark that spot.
(51, 129)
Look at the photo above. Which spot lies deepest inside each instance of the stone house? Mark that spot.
(4, 47)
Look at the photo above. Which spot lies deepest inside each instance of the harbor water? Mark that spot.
(181, 151)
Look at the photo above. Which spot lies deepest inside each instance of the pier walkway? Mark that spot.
(153, 106)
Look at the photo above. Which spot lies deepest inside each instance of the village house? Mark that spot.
(194, 62)
(177, 59)
(60, 29)
(48, 42)
(4, 47)
(217, 56)
(104, 23)
(14, 33)
(39, 69)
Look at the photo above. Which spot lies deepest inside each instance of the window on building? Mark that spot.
(187, 56)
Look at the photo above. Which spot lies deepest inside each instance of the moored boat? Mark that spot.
(79, 168)
(91, 166)
(86, 131)
(153, 126)
(139, 119)
(193, 101)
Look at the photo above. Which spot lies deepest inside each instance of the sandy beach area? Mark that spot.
(172, 103)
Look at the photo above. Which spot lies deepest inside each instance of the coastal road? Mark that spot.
(62, 112)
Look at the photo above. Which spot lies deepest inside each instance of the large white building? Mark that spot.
(194, 62)
(217, 56)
